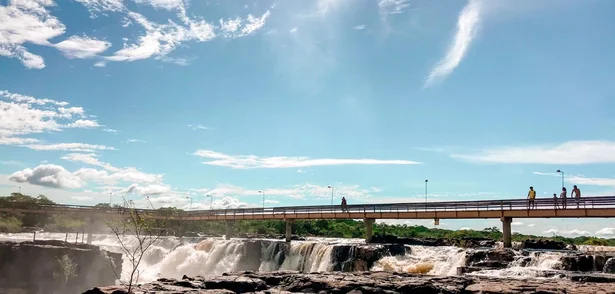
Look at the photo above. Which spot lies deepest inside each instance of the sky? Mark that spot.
(175, 100)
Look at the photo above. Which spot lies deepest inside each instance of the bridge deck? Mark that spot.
(598, 207)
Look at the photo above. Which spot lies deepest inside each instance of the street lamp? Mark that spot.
(331, 187)
(211, 201)
(561, 172)
(188, 197)
(110, 198)
(426, 181)
(263, 192)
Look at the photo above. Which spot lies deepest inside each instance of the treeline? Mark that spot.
(16, 222)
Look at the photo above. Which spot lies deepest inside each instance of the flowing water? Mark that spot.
(172, 257)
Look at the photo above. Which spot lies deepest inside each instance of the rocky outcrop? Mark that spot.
(359, 282)
(55, 267)
(492, 258)
(462, 242)
(349, 258)
(596, 262)
(544, 244)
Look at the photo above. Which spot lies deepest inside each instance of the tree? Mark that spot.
(136, 231)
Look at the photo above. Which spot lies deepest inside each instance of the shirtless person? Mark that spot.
(576, 193)
(563, 197)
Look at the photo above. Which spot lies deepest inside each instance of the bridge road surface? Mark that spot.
(506, 210)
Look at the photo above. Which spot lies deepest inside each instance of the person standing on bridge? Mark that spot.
(531, 196)
(563, 196)
(555, 206)
(576, 193)
(344, 205)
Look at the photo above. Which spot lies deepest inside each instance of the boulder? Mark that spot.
(580, 262)
(491, 258)
(544, 244)
(352, 257)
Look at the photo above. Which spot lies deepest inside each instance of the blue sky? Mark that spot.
(182, 99)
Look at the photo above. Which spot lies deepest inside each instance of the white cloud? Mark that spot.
(74, 147)
(269, 201)
(110, 130)
(300, 171)
(82, 198)
(24, 22)
(135, 141)
(293, 30)
(22, 115)
(48, 175)
(82, 47)
(324, 7)
(163, 4)
(606, 232)
(252, 161)
(576, 232)
(551, 232)
(467, 25)
(582, 180)
(517, 223)
(11, 162)
(237, 27)
(392, 6)
(148, 189)
(16, 140)
(98, 6)
(200, 127)
(100, 64)
(89, 158)
(531, 225)
(359, 27)
(572, 152)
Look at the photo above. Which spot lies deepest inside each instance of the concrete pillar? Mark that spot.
(506, 231)
(289, 229)
(229, 229)
(90, 228)
(369, 229)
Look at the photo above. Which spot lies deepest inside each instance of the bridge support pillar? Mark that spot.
(369, 229)
(229, 229)
(90, 228)
(289, 229)
(506, 231)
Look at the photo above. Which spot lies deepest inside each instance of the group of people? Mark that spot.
(576, 193)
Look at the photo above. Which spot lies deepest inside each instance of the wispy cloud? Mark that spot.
(253, 161)
(74, 147)
(393, 6)
(110, 130)
(359, 27)
(582, 180)
(82, 47)
(572, 152)
(135, 141)
(467, 26)
(199, 127)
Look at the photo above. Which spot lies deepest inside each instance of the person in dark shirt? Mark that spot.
(344, 205)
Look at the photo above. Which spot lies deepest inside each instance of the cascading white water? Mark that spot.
(172, 257)
(426, 260)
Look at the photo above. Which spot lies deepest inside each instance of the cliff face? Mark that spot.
(55, 267)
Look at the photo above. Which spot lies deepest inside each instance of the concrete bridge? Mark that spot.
(505, 210)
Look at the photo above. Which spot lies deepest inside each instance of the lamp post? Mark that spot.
(110, 198)
(263, 192)
(426, 181)
(331, 187)
(19, 189)
(190, 207)
(211, 201)
(561, 172)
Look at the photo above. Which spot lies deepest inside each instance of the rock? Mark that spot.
(544, 244)
(360, 282)
(56, 266)
(463, 242)
(352, 257)
(609, 266)
(492, 258)
(586, 262)
(475, 243)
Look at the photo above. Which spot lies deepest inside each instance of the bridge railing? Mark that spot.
(480, 205)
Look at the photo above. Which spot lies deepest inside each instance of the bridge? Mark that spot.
(505, 210)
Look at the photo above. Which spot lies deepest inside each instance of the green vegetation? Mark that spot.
(323, 228)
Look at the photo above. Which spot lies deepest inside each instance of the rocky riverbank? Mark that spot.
(55, 267)
(359, 282)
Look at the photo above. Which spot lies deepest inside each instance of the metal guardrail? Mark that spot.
(480, 205)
